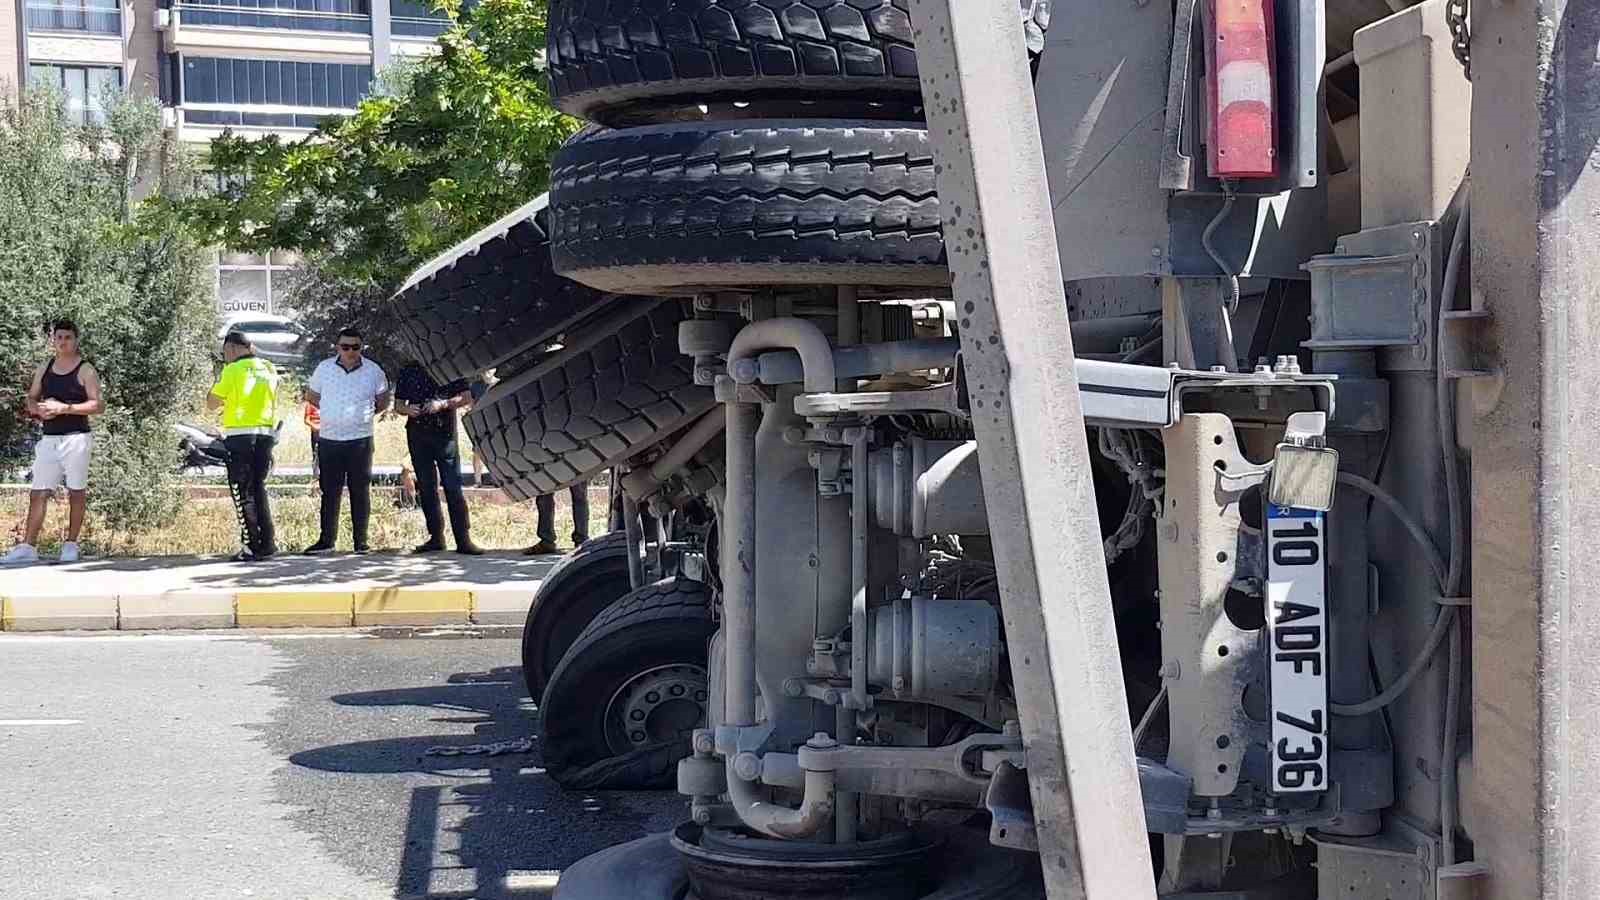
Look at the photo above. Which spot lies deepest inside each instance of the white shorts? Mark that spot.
(62, 457)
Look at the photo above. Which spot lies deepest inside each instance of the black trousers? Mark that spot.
(545, 505)
(249, 460)
(438, 464)
(345, 462)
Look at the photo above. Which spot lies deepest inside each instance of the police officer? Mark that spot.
(247, 394)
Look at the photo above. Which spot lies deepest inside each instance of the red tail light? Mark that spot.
(1243, 114)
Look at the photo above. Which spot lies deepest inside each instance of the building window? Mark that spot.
(416, 18)
(271, 82)
(345, 16)
(253, 282)
(93, 16)
(86, 88)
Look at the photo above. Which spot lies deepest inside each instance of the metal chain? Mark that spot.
(499, 748)
(1455, 15)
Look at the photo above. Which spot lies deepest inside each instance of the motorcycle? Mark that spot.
(199, 448)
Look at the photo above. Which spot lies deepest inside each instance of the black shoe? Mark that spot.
(267, 554)
(243, 556)
(434, 545)
(361, 551)
(468, 548)
(543, 548)
(318, 547)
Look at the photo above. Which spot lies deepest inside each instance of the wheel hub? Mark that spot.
(656, 706)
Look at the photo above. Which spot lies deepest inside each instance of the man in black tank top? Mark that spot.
(64, 393)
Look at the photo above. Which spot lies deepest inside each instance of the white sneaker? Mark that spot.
(69, 552)
(20, 555)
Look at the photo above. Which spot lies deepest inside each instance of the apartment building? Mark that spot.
(257, 67)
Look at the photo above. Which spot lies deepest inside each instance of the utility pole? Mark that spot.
(1016, 345)
(1536, 423)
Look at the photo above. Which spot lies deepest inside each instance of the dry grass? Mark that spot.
(208, 526)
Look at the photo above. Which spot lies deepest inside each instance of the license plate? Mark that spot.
(1297, 628)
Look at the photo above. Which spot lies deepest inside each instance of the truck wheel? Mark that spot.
(669, 209)
(483, 308)
(589, 407)
(581, 585)
(620, 709)
(609, 59)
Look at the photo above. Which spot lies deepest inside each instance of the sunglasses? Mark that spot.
(349, 346)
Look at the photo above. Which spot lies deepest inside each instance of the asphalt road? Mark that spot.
(292, 766)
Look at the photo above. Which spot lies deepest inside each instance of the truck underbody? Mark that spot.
(927, 590)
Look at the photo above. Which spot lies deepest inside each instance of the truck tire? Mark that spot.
(612, 59)
(611, 394)
(491, 304)
(620, 708)
(583, 583)
(670, 209)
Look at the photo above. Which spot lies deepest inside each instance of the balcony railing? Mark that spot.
(270, 17)
(74, 17)
(418, 26)
(249, 119)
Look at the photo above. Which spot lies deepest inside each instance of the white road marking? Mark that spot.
(532, 880)
(7, 723)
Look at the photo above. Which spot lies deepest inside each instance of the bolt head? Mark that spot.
(702, 816)
(792, 686)
(704, 742)
(747, 766)
(832, 697)
(822, 741)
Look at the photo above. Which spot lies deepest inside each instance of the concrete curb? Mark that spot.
(383, 605)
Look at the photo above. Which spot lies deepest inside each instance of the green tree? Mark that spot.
(68, 247)
(447, 144)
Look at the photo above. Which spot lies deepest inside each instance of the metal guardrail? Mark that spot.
(418, 26)
(270, 17)
(75, 18)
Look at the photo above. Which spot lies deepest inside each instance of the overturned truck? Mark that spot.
(1044, 444)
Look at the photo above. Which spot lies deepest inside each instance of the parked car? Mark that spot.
(278, 339)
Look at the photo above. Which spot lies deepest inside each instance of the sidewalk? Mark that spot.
(285, 591)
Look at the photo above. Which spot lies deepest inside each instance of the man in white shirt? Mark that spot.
(349, 390)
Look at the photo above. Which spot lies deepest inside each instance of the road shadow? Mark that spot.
(291, 570)
(481, 825)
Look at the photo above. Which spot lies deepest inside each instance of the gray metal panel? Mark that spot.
(1535, 498)
(1264, 237)
(1101, 96)
(1118, 394)
(1017, 350)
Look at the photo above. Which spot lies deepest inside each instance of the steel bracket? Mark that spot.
(1377, 291)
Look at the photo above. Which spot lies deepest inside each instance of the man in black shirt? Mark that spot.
(430, 412)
